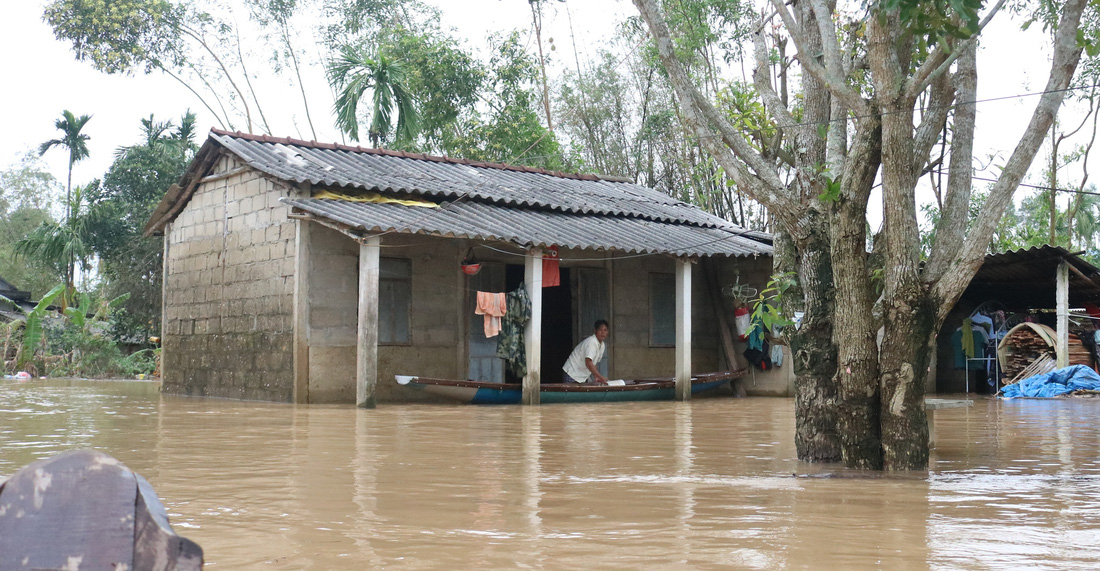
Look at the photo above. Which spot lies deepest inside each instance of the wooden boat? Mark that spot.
(480, 392)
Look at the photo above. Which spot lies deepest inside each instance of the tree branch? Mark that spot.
(1067, 54)
(836, 84)
(955, 215)
(763, 182)
(941, 59)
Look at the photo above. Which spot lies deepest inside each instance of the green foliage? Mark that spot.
(61, 243)
(444, 80)
(115, 35)
(356, 70)
(33, 326)
(26, 192)
(72, 139)
(768, 309)
(832, 188)
(74, 345)
(936, 20)
(510, 130)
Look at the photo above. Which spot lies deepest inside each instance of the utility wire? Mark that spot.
(856, 117)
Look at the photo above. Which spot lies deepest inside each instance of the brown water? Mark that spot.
(646, 485)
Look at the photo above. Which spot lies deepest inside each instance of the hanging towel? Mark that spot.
(493, 306)
(968, 338)
(551, 273)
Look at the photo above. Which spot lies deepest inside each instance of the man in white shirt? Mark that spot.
(581, 364)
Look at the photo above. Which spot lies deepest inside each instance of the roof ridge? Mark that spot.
(416, 156)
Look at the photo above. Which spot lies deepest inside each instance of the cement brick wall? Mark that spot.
(436, 329)
(333, 315)
(634, 357)
(439, 323)
(229, 288)
(437, 320)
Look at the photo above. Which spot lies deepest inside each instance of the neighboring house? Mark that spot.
(10, 311)
(291, 275)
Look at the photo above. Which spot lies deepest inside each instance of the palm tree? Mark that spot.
(352, 73)
(72, 139)
(77, 143)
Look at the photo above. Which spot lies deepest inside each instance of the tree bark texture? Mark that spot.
(857, 372)
(817, 438)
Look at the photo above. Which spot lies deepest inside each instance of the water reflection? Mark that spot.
(704, 485)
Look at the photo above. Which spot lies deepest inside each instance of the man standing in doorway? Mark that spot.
(582, 362)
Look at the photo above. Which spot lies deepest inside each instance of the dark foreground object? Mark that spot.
(86, 510)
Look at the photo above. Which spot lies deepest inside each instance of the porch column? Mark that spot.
(683, 329)
(1062, 344)
(301, 312)
(366, 347)
(532, 333)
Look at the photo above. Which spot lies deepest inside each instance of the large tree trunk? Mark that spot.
(816, 436)
(855, 329)
(907, 347)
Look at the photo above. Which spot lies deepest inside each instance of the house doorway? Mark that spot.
(557, 324)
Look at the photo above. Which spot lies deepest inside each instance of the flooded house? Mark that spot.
(314, 273)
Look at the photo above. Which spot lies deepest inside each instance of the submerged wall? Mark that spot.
(228, 290)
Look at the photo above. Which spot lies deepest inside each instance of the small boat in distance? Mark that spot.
(481, 392)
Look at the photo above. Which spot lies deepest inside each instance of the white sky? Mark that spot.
(43, 78)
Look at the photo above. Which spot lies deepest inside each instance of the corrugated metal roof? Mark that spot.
(528, 227)
(448, 179)
(1026, 278)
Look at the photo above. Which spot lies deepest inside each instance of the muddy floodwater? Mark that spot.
(633, 485)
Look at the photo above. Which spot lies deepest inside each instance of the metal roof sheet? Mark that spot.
(1025, 278)
(449, 179)
(529, 227)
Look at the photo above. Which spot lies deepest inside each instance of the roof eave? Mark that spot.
(177, 195)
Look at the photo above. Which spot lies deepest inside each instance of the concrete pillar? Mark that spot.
(532, 333)
(366, 355)
(301, 312)
(683, 329)
(1062, 345)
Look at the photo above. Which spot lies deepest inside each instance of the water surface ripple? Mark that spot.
(711, 484)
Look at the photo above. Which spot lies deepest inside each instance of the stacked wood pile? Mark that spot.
(1078, 353)
(1025, 347)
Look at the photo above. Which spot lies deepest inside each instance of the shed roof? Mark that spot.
(523, 205)
(1026, 278)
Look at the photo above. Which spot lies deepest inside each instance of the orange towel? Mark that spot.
(493, 306)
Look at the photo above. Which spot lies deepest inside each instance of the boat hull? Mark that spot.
(477, 392)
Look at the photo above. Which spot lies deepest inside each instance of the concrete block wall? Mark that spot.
(437, 320)
(633, 354)
(229, 290)
(436, 347)
(333, 317)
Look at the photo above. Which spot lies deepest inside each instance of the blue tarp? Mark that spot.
(1055, 383)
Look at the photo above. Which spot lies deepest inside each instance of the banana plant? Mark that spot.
(32, 328)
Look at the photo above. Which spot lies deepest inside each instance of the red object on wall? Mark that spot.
(741, 321)
(551, 273)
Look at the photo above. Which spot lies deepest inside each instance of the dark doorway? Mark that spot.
(557, 324)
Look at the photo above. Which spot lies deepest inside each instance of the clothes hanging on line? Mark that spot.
(980, 345)
(493, 306)
(510, 344)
